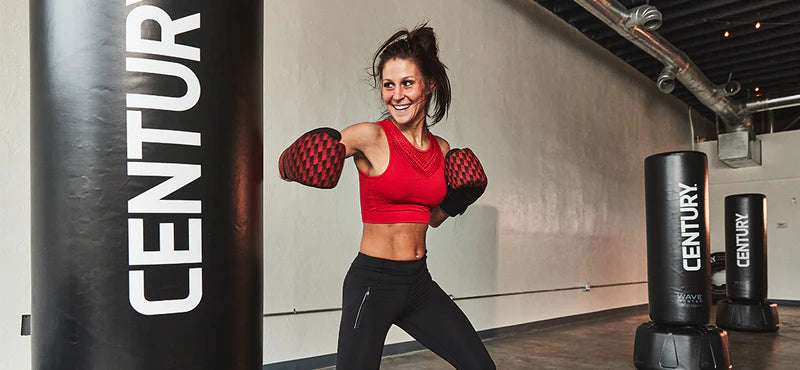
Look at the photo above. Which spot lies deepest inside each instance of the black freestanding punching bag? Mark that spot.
(746, 273)
(146, 134)
(678, 271)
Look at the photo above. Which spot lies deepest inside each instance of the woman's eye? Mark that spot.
(408, 83)
(388, 85)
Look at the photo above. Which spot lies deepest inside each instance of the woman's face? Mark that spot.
(403, 91)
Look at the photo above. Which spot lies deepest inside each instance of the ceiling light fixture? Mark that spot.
(726, 34)
(758, 25)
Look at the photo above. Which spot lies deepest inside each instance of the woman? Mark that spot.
(409, 179)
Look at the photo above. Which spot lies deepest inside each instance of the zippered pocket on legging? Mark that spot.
(361, 309)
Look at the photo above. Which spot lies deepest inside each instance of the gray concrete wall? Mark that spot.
(561, 126)
(15, 277)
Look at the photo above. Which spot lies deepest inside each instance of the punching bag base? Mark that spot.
(747, 315)
(672, 347)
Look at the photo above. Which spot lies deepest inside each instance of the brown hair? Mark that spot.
(420, 46)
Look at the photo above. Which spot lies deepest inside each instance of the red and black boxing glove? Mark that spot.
(315, 159)
(465, 179)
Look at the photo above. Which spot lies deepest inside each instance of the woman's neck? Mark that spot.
(415, 132)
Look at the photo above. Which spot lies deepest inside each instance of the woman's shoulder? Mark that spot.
(365, 129)
(362, 135)
(443, 144)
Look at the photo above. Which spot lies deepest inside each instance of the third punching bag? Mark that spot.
(746, 307)
(746, 246)
(146, 127)
(676, 193)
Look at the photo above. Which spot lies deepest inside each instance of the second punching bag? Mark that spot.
(678, 271)
(146, 165)
(678, 275)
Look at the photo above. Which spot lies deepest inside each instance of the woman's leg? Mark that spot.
(368, 311)
(438, 323)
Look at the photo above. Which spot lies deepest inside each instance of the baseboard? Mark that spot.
(405, 347)
(304, 363)
(785, 302)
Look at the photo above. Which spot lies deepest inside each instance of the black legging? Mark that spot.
(378, 293)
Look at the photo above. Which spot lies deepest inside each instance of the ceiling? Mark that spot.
(764, 60)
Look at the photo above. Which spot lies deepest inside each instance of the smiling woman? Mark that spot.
(404, 91)
(416, 49)
(409, 179)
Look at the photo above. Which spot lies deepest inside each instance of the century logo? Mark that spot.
(143, 56)
(690, 228)
(742, 241)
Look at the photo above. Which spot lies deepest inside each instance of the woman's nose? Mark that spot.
(397, 94)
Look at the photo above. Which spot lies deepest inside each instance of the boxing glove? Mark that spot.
(465, 179)
(315, 159)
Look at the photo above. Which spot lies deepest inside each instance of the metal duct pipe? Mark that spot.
(772, 103)
(666, 79)
(635, 28)
(646, 16)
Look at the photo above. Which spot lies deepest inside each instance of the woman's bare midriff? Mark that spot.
(399, 242)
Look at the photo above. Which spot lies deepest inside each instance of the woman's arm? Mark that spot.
(359, 137)
(437, 215)
(327, 149)
(364, 142)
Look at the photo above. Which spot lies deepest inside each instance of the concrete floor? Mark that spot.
(607, 343)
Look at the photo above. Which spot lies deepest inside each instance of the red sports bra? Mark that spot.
(411, 185)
